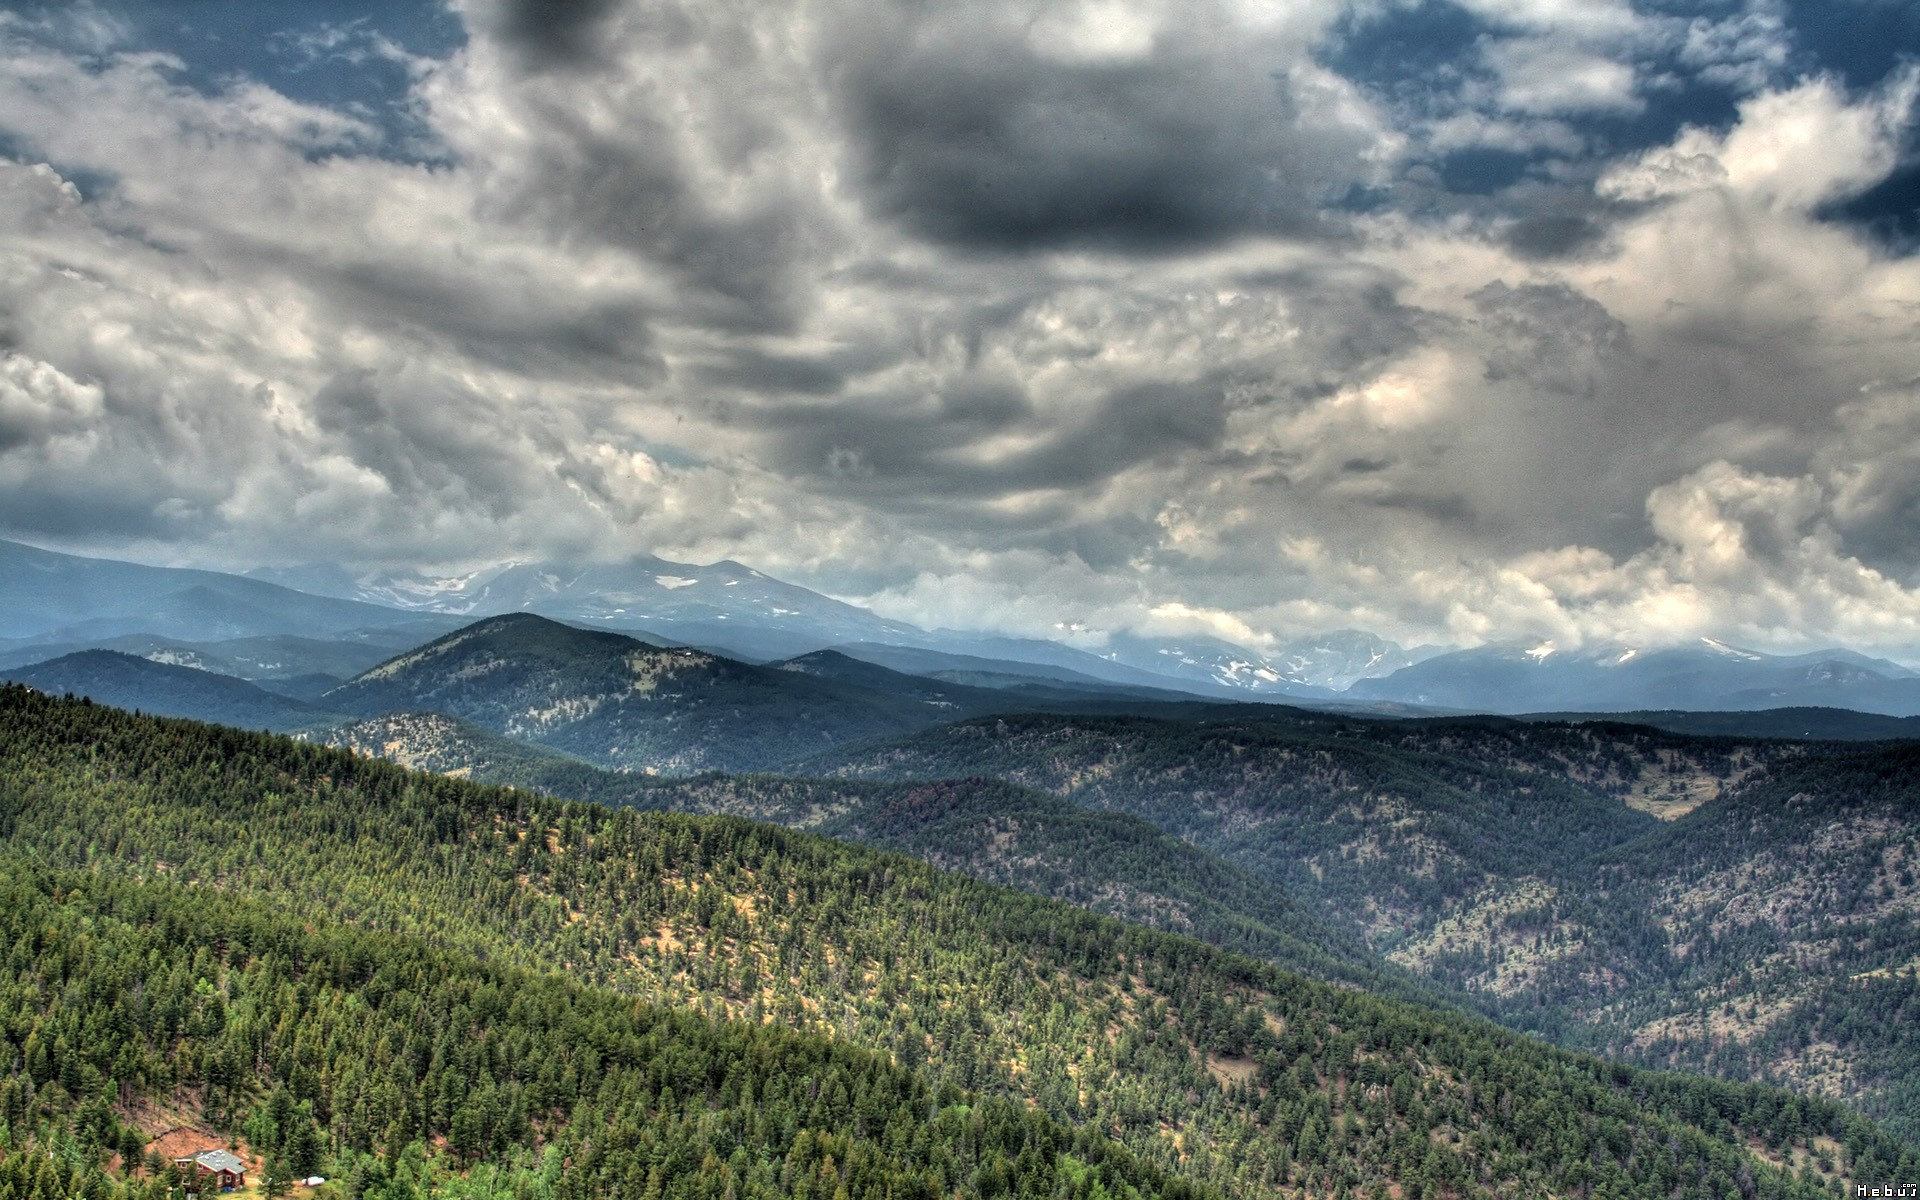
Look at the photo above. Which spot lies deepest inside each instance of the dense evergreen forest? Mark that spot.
(1380, 823)
(410, 1071)
(1207, 1067)
(1769, 929)
(1109, 862)
(1771, 934)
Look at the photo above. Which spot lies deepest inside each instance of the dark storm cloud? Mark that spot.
(1554, 235)
(1350, 320)
(927, 453)
(978, 139)
(551, 33)
(758, 371)
(432, 442)
(1078, 307)
(629, 186)
(553, 335)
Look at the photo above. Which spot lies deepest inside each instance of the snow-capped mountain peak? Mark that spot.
(1720, 647)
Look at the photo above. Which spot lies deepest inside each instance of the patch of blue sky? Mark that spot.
(1427, 61)
(1863, 42)
(354, 56)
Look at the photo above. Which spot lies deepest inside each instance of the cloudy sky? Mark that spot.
(1450, 319)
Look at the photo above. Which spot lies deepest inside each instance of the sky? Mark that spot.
(1453, 320)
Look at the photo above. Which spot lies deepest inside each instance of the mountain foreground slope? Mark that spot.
(1205, 1065)
(409, 1071)
(1106, 862)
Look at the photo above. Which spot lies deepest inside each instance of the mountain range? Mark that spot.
(1465, 864)
(1450, 853)
(326, 620)
(1707, 675)
(54, 598)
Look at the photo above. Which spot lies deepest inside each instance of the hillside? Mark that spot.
(1822, 724)
(126, 681)
(1231, 1073)
(1109, 863)
(408, 1071)
(620, 702)
(1546, 868)
(1375, 831)
(1772, 934)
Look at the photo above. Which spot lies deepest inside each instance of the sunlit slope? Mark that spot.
(405, 1070)
(1110, 863)
(1235, 1074)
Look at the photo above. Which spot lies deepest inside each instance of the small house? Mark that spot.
(222, 1170)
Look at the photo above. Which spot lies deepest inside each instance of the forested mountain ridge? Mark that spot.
(1771, 934)
(1107, 862)
(412, 1072)
(627, 704)
(1229, 1072)
(1376, 832)
(166, 689)
(622, 702)
(1766, 929)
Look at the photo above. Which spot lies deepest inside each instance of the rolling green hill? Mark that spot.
(1221, 1070)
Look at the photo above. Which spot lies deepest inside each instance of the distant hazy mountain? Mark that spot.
(48, 596)
(299, 630)
(285, 664)
(1343, 657)
(166, 690)
(725, 605)
(976, 671)
(1310, 668)
(743, 613)
(1707, 675)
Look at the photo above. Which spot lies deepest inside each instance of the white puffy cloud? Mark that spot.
(1080, 342)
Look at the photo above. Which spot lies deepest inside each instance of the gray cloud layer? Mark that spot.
(998, 315)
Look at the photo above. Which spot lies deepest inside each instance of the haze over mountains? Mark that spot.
(57, 603)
